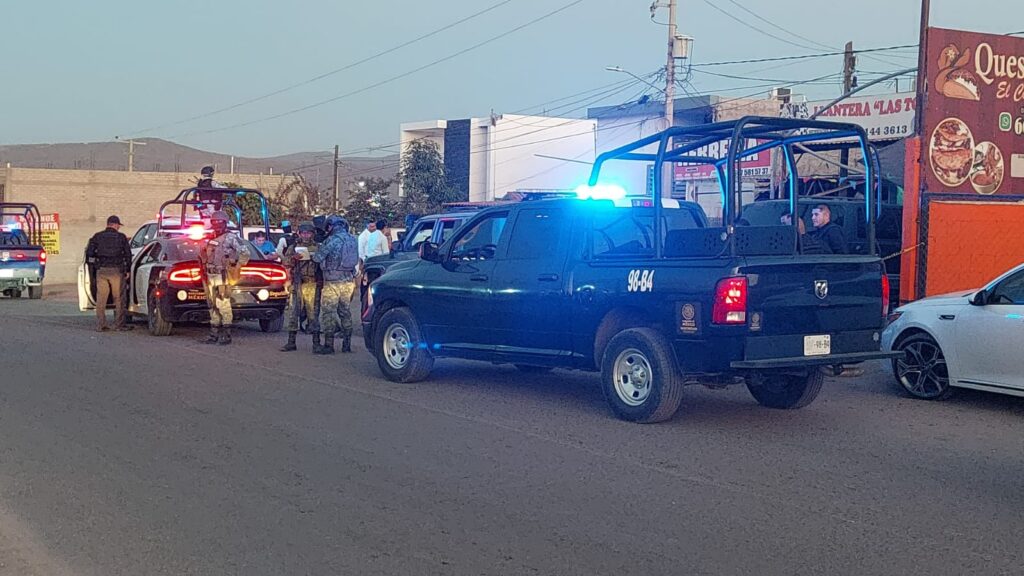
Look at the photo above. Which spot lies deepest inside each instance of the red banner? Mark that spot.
(759, 164)
(973, 139)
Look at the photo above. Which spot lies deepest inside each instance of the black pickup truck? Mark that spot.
(643, 291)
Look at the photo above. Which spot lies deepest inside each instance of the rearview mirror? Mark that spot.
(980, 298)
(428, 252)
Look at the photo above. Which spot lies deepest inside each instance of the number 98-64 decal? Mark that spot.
(640, 281)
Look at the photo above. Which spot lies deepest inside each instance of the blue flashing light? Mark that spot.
(600, 192)
(437, 346)
(240, 193)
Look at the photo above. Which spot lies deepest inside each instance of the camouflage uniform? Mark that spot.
(219, 259)
(308, 294)
(337, 257)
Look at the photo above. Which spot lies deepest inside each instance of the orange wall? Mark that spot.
(971, 243)
(911, 208)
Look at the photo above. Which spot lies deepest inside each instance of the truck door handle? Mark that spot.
(478, 278)
(548, 278)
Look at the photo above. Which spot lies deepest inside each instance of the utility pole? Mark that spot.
(335, 178)
(131, 151)
(849, 83)
(668, 178)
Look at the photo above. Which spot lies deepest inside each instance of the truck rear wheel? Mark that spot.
(639, 377)
(35, 292)
(272, 325)
(786, 391)
(401, 352)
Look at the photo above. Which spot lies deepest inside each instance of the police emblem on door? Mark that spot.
(821, 289)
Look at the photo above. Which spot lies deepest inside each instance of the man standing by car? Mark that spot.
(298, 258)
(827, 233)
(338, 257)
(111, 256)
(221, 260)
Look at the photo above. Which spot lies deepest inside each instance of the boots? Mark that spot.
(327, 348)
(290, 346)
(346, 344)
(316, 340)
(225, 336)
(213, 337)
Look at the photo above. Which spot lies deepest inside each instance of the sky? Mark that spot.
(78, 71)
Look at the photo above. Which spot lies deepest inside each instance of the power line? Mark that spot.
(391, 79)
(332, 72)
(756, 29)
(801, 57)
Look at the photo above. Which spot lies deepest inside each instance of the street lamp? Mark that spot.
(624, 71)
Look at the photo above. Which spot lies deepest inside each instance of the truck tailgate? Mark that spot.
(823, 308)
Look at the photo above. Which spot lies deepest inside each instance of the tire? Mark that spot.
(158, 326)
(639, 377)
(529, 369)
(35, 292)
(922, 372)
(786, 391)
(401, 352)
(15, 293)
(274, 325)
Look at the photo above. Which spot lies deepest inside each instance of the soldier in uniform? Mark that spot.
(337, 257)
(298, 257)
(221, 260)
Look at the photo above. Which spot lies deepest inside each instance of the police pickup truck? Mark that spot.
(22, 256)
(645, 292)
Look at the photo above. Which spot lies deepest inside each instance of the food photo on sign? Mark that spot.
(975, 113)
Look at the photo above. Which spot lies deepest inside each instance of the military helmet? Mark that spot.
(307, 227)
(207, 172)
(219, 215)
(334, 221)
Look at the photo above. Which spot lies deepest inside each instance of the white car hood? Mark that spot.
(943, 299)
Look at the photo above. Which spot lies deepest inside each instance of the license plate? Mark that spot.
(817, 345)
(8, 273)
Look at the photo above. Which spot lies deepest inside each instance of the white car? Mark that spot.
(962, 340)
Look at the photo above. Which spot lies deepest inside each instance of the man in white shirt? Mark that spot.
(362, 239)
(377, 243)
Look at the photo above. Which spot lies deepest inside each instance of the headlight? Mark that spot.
(893, 317)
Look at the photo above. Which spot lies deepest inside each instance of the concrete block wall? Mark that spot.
(85, 198)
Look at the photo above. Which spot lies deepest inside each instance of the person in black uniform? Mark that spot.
(827, 234)
(111, 256)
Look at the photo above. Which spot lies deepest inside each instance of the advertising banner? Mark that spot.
(50, 229)
(759, 165)
(973, 131)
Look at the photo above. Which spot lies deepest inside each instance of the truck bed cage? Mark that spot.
(27, 213)
(679, 144)
(213, 199)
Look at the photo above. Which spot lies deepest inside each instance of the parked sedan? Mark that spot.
(964, 340)
(165, 286)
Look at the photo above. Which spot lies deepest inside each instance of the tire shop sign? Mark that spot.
(886, 117)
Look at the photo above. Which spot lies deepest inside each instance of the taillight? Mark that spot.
(730, 301)
(19, 255)
(885, 294)
(185, 274)
(266, 272)
(42, 257)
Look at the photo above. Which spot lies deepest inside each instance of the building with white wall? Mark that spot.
(486, 158)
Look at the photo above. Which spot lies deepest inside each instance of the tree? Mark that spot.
(252, 208)
(424, 181)
(299, 199)
(369, 200)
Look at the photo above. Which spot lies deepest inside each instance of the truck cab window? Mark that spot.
(481, 241)
(536, 234)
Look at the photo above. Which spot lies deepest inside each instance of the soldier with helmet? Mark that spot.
(298, 258)
(221, 260)
(337, 257)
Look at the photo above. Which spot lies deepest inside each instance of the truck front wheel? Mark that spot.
(785, 391)
(639, 377)
(402, 354)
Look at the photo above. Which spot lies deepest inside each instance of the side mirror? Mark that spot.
(428, 252)
(980, 298)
